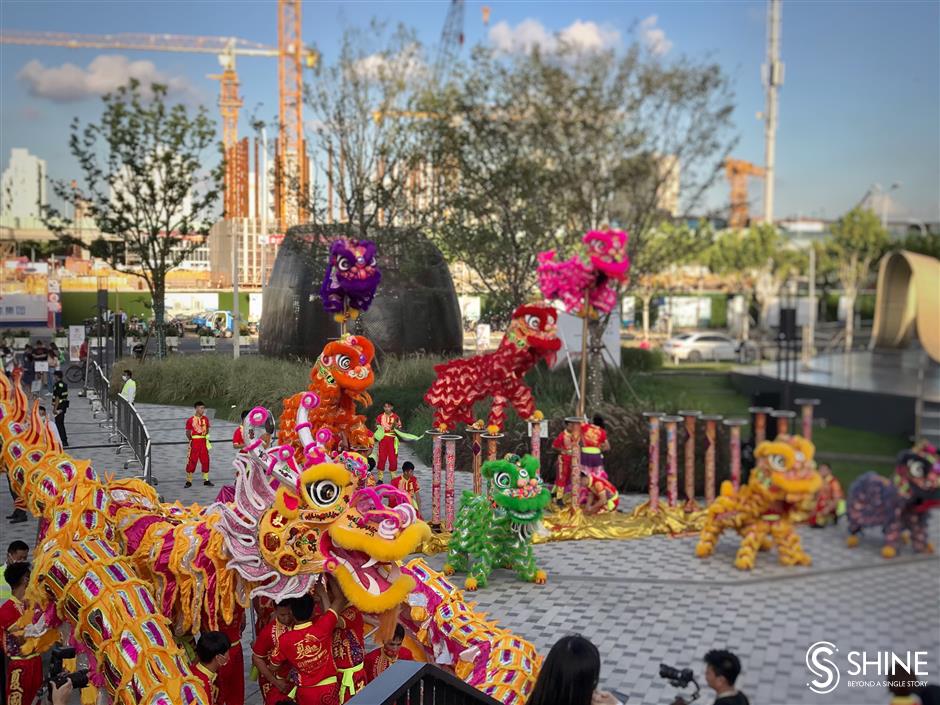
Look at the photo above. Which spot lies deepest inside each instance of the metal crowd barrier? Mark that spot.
(122, 420)
(413, 683)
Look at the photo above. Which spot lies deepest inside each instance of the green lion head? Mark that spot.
(516, 487)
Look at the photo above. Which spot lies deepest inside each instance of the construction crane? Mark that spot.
(289, 52)
(737, 172)
(451, 41)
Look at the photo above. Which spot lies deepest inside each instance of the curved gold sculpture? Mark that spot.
(908, 300)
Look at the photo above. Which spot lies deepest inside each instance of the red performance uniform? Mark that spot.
(24, 673)
(828, 500)
(409, 485)
(231, 677)
(308, 648)
(567, 444)
(388, 446)
(238, 440)
(348, 648)
(208, 679)
(264, 647)
(377, 661)
(198, 427)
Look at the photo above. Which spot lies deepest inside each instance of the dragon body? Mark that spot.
(779, 492)
(898, 504)
(495, 530)
(530, 337)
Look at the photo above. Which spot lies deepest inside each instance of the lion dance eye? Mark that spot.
(343, 362)
(343, 264)
(916, 469)
(777, 462)
(533, 322)
(323, 492)
(502, 480)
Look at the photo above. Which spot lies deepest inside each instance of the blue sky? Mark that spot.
(860, 103)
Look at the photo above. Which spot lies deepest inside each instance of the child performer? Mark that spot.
(197, 432)
(388, 422)
(409, 483)
(24, 673)
(379, 659)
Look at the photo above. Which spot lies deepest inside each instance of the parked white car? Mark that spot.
(707, 347)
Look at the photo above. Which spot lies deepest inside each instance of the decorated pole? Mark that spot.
(654, 418)
(435, 478)
(760, 422)
(582, 396)
(690, 417)
(535, 440)
(476, 448)
(734, 445)
(806, 408)
(711, 435)
(450, 461)
(672, 459)
(492, 447)
(783, 417)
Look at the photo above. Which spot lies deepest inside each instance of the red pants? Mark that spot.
(317, 695)
(231, 678)
(198, 453)
(24, 679)
(269, 693)
(387, 454)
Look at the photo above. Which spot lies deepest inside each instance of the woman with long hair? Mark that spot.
(570, 674)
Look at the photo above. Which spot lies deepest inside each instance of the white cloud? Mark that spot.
(530, 33)
(106, 73)
(653, 37)
(407, 64)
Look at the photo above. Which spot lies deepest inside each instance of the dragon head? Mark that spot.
(918, 473)
(785, 465)
(290, 524)
(346, 363)
(516, 487)
(534, 326)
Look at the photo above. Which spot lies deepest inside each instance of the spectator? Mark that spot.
(17, 552)
(60, 404)
(52, 357)
(570, 674)
(721, 671)
(40, 366)
(29, 367)
(52, 428)
(211, 654)
(129, 390)
(8, 358)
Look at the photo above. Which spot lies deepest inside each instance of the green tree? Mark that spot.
(858, 240)
(147, 181)
(922, 243)
(742, 256)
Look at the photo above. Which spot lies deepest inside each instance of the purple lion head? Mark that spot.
(352, 276)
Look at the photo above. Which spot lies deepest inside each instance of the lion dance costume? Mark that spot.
(899, 504)
(495, 529)
(780, 491)
(530, 337)
(120, 575)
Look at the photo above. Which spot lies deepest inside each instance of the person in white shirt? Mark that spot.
(52, 426)
(129, 390)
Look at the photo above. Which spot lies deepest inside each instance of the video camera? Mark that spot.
(57, 673)
(679, 679)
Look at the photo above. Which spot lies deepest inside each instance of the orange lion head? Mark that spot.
(346, 363)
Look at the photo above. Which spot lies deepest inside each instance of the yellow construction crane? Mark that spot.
(292, 57)
(737, 171)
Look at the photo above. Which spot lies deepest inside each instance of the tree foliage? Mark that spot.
(539, 147)
(146, 183)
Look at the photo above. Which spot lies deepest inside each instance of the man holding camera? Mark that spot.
(721, 671)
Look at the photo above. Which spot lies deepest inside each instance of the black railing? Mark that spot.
(413, 683)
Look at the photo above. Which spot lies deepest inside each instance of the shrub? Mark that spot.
(639, 360)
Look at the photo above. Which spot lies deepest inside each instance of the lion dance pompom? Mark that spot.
(780, 491)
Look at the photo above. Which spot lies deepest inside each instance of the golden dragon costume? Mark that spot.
(779, 492)
(122, 576)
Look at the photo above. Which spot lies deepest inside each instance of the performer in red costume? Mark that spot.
(568, 444)
(349, 653)
(197, 432)
(274, 682)
(308, 649)
(212, 651)
(24, 673)
(407, 482)
(380, 659)
(388, 422)
(231, 679)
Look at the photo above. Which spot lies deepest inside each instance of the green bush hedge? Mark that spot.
(639, 360)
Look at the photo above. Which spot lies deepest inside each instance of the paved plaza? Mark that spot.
(648, 601)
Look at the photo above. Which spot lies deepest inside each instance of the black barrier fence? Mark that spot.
(413, 683)
(121, 419)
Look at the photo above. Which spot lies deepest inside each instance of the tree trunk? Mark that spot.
(159, 314)
(746, 319)
(849, 320)
(646, 317)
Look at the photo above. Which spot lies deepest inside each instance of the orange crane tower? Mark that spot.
(737, 171)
